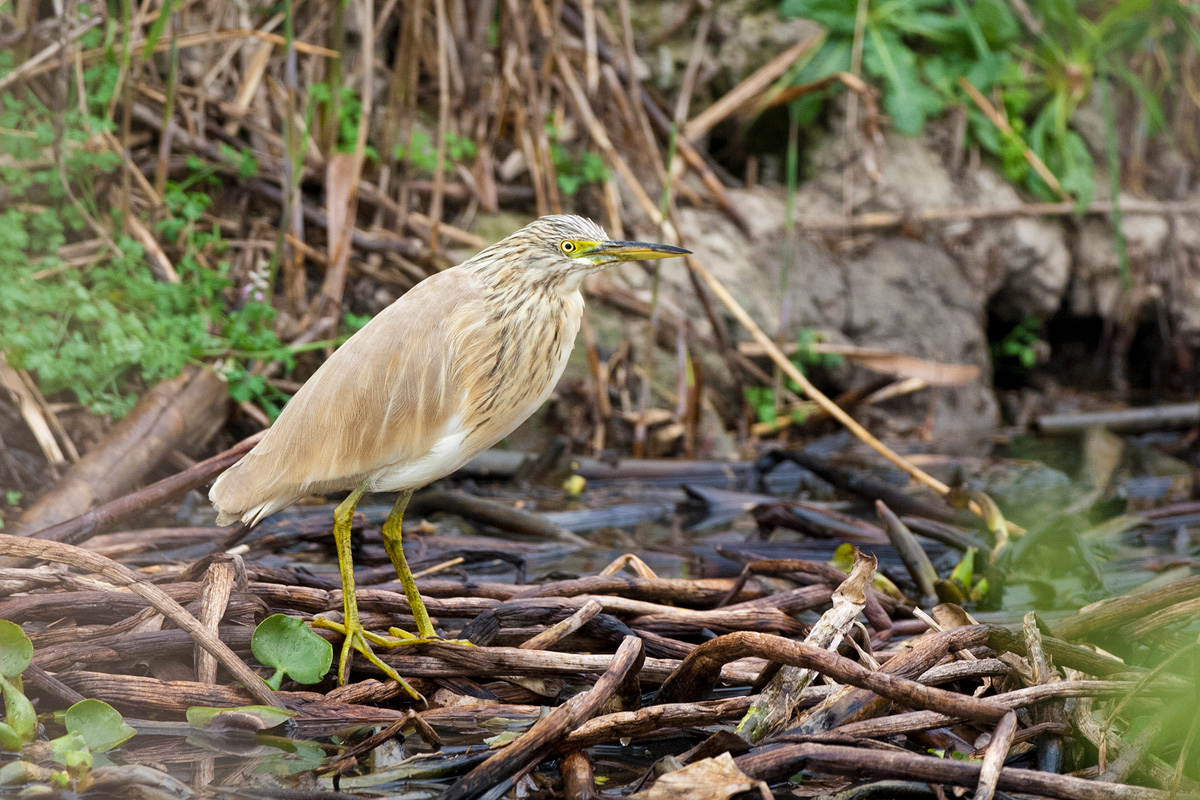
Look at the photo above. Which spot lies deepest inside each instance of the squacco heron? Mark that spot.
(446, 371)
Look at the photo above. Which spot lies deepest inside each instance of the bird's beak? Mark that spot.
(637, 251)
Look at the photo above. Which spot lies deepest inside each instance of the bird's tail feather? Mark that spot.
(231, 507)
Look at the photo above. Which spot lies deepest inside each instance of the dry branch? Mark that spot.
(699, 671)
(183, 410)
(775, 707)
(547, 732)
(823, 758)
(77, 529)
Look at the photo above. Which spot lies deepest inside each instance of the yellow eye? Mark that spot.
(567, 247)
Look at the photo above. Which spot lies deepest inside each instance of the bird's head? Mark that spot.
(566, 247)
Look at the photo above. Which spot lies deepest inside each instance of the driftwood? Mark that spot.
(1153, 418)
(774, 708)
(840, 760)
(548, 731)
(176, 414)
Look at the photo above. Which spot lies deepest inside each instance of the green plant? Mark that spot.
(291, 648)
(100, 329)
(573, 170)
(762, 398)
(92, 726)
(915, 48)
(242, 718)
(20, 720)
(963, 585)
(349, 116)
(422, 152)
(1020, 344)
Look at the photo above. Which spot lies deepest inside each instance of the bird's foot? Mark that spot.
(356, 637)
(402, 637)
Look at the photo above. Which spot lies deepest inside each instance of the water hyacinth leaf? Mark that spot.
(9, 740)
(292, 648)
(67, 748)
(19, 715)
(16, 651)
(250, 718)
(98, 724)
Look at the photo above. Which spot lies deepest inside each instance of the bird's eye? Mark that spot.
(567, 247)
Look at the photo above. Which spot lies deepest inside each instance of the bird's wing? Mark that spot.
(385, 397)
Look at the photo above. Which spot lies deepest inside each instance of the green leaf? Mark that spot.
(10, 740)
(257, 718)
(98, 724)
(965, 569)
(18, 711)
(71, 749)
(996, 21)
(291, 647)
(907, 100)
(157, 28)
(289, 756)
(16, 651)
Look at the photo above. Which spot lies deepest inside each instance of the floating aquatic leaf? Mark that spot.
(98, 724)
(244, 718)
(291, 647)
(71, 750)
(9, 739)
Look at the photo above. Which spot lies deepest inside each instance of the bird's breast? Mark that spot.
(525, 348)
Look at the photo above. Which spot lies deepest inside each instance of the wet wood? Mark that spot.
(77, 529)
(838, 760)
(551, 729)
(67, 554)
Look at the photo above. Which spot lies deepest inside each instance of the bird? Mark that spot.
(444, 372)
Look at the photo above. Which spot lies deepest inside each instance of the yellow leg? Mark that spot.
(355, 636)
(392, 541)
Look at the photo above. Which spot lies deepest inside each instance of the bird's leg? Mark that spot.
(352, 629)
(392, 541)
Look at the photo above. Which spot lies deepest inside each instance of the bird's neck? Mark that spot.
(531, 285)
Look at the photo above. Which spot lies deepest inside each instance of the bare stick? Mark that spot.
(787, 760)
(699, 670)
(993, 762)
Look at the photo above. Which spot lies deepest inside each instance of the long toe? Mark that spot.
(357, 638)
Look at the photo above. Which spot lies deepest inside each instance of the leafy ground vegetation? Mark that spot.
(84, 314)
(924, 53)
